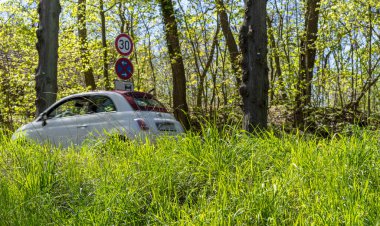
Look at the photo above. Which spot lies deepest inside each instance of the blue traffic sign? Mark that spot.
(124, 68)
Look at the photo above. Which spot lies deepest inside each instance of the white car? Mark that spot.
(78, 117)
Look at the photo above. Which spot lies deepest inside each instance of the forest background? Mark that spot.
(220, 175)
(345, 73)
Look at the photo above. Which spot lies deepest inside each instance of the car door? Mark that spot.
(99, 119)
(63, 122)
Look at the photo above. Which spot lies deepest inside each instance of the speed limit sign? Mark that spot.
(124, 44)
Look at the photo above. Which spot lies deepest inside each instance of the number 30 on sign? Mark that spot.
(124, 44)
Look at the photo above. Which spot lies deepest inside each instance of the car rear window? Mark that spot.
(143, 101)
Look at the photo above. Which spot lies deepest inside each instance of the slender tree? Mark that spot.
(5, 91)
(47, 46)
(253, 44)
(206, 68)
(86, 68)
(372, 80)
(102, 12)
(276, 71)
(307, 59)
(178, 70)
(228, 35)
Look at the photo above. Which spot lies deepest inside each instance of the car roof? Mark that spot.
(126, 93)
(134, 94)
(108, 93)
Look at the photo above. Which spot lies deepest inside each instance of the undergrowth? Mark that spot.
(219, 177)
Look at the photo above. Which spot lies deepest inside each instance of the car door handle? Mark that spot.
(82, 126)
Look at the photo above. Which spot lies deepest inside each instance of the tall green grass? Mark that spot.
(219, 178)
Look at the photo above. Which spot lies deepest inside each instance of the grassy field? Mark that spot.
(219, 178)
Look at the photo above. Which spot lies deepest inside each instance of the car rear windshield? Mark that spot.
(143, 101)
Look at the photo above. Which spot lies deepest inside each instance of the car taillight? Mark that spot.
(142, 124)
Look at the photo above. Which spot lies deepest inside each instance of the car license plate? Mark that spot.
(166, 126)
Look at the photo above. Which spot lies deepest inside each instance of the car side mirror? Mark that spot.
(44, 118)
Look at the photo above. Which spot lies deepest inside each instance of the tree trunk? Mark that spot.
(179, 80)
(122, 17)
(230, 40)
(47, 47)
(4, 90)
(253, 43)
(206, 68)
(135, 55)
(104, 45)
(369, 41)
(277, 73)
(197, 61)
(307, 60)
(366, 87)
(150, 58)
(86, 68)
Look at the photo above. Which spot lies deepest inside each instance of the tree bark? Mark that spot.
(307, 60)
(179, 80)
(47, 47)
(254, 88)
(86, 68)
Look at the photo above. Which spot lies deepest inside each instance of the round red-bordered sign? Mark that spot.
(124, 68)
(124, 44)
